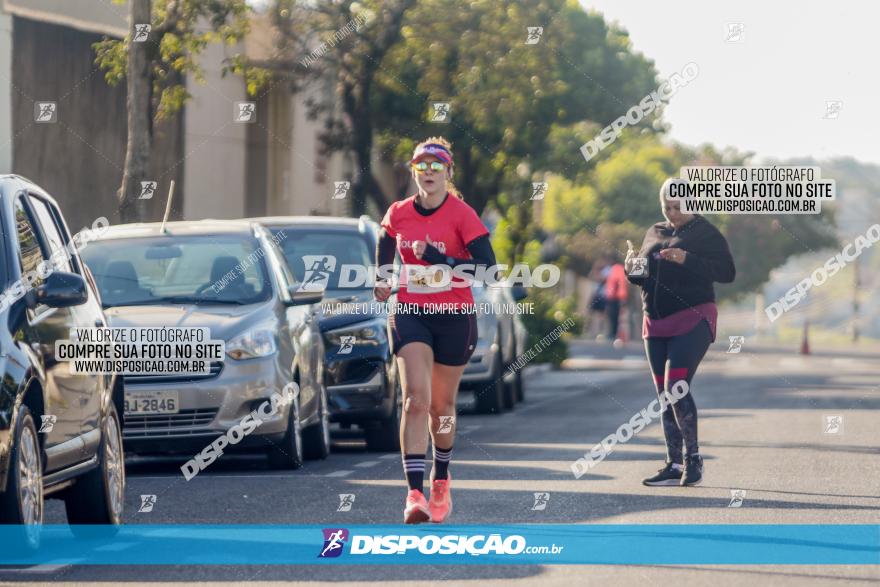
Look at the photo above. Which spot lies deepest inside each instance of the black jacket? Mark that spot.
(671, 287)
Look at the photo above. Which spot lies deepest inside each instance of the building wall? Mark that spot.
(79, 158)
(215, 159)
(5, 92)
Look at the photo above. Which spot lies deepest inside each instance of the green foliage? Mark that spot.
(550, 313)
(177, 38)
(628, 182)
(507, 98)
(567, 207)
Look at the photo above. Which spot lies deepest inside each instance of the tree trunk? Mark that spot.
(140, 140)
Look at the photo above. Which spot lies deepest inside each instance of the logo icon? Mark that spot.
(447, 423)
(147, 503)
(735, 31)
(440, 112)
(245, 112)
(334, 540)
(833, 424)
(541, 501)
(45, 112)
(736, 343)
(318, 270)
(148, 189)
(539, 189)
(639, 266)
(47, 422)
(141, 33)
(736, 498)
(832, 109)
(340, 189)
(346, 345)
(346, 500)
(534, 34)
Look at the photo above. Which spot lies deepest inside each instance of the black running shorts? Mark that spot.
(453, 337)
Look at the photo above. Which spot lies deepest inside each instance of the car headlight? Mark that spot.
(363, 333)
(259, 342)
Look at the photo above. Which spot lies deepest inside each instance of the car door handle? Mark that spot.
(99, 322)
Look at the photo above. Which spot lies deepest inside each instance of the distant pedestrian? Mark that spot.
(616, 292)
(596, 307)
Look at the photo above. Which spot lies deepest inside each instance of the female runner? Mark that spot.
(432, 328)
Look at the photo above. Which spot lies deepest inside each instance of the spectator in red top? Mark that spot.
(615, 296)
(433, 329)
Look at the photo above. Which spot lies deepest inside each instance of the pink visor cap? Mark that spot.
(438, 151)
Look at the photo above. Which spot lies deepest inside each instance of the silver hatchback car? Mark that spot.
(152, 276)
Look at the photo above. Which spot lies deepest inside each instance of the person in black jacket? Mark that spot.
(676, 266)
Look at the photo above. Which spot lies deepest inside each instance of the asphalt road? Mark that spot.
(763, 429)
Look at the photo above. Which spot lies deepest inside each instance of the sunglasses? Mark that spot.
(422, 166)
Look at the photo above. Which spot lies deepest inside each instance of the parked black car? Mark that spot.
(60, 433)
(359, 370)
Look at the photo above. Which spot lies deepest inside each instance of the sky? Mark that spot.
(766, 92)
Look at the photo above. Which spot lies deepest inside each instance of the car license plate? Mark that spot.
(151, 402)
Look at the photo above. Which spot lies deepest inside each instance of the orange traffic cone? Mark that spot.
(805, 342)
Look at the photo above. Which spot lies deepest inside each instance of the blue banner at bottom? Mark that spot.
(432, 544)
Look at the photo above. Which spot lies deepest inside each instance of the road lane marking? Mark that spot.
(367, 464)
(339, 473)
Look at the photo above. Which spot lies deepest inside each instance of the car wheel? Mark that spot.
(509, 390)
(514, 381)
(489, 398)
(22, 502)
(518, 387)
(384, 435)
(316, 438)
(98, 497)
(288, 454)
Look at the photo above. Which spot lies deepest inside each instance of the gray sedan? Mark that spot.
(230, 277)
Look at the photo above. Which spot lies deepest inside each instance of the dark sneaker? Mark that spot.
(668, 475)
(693, 471)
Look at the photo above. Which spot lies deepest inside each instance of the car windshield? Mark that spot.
(315, 250)
(203, 269)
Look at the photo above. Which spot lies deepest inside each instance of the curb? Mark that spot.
(532, 370)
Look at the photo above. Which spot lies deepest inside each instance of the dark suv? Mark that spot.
(60, 432)
(359, 370)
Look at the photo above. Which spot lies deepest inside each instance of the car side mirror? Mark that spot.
(519, 292)
(59, 290)
(301, 297)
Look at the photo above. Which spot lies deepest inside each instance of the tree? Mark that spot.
(506, 96)
(155, 62)
(352, 40)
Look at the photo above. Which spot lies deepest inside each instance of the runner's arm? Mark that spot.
(480, 249)
(385, 249)
(714, 260)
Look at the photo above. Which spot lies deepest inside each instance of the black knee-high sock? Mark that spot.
(414, 468)
(442, 456)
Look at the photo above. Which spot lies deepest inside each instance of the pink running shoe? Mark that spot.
(441, 500)
(416, 510)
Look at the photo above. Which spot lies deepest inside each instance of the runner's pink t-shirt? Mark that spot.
(450, 228)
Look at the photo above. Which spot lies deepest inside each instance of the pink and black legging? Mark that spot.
(674, 359)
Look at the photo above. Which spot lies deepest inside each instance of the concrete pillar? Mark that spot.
(5, 92)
